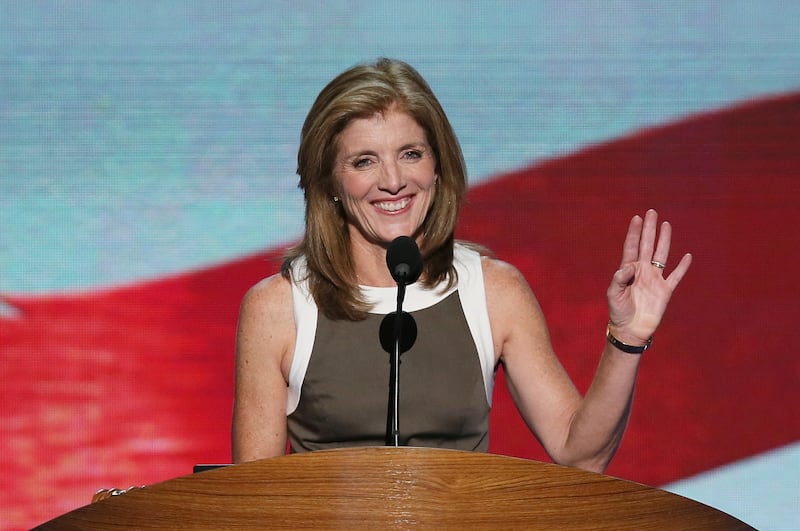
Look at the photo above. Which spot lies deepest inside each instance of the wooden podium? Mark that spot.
(396, 488)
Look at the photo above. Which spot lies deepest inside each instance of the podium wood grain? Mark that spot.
(396, 488)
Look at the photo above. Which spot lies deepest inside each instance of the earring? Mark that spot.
(336, 199)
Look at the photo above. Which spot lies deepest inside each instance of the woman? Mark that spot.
(378, 159)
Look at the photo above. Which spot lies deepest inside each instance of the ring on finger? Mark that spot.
(660, 265)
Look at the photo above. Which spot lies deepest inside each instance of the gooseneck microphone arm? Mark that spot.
(405, 264)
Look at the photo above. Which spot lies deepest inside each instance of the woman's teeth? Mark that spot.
(394, 206)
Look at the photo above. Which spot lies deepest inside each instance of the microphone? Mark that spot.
(405, 264)
(404, 260)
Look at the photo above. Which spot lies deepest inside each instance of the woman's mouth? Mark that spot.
(393, 206)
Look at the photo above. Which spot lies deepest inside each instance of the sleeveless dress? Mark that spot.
(338, 392)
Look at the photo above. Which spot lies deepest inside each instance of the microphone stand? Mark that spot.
(405, 264)
(393, 437)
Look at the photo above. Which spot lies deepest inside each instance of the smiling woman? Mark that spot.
(350, 117)
(379, 160)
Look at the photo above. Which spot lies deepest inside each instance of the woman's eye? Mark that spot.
(412, 154)
(361, 163)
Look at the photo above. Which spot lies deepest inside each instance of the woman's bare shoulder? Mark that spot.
(273, 286)
(270, 300)
(513, 308)
(500, 276)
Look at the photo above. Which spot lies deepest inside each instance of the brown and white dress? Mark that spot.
(338, 392)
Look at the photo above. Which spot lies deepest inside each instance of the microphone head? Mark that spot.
(404, 260)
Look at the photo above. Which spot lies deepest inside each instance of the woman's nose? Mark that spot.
(391, 179)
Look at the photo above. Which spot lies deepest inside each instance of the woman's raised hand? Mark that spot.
(639, 290)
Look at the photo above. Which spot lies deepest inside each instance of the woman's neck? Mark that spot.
(369, 261)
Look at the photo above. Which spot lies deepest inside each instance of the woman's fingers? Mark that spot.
(675, 277)
(662, 247)
(648, 239)
(640, 241)
(630, 249)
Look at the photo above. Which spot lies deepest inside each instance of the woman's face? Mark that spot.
(386, 177)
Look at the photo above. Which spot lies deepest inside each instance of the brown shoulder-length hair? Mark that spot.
(361, 92)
